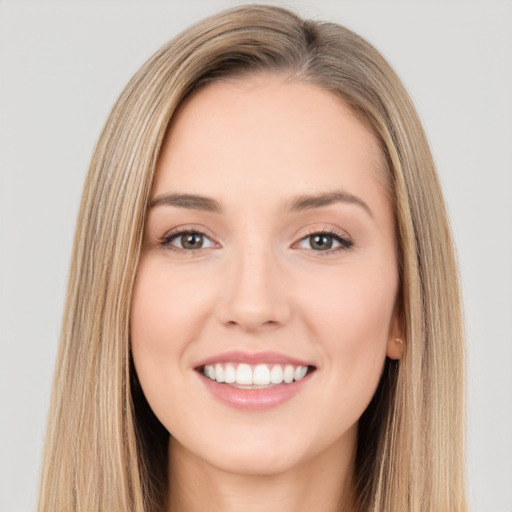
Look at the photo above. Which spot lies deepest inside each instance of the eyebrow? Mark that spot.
(308, 202)
(300, 203)
(190, 201)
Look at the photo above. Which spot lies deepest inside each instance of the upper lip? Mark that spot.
(238, 356)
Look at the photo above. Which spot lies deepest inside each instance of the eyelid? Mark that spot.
(344, 240)
(165, 240)
(341, 237)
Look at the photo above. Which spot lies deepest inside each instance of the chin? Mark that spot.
(249, 454)
(269, 463)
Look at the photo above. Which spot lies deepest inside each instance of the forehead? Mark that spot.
(268, 134)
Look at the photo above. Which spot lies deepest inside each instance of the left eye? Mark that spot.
(189, 240)
(324, 242)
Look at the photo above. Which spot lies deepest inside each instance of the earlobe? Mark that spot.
(395, 348)
(396, 343)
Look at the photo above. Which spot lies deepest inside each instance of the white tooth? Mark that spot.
(244, 374)
(229, 374)
(300, 372)
(276, 374)
(261, 375)
(219, 373)
(211, 371)
(288, 373)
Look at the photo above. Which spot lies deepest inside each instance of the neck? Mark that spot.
(323, 483)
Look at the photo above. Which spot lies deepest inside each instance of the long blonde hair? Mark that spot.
(105, 450)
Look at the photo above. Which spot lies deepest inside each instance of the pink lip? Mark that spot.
(253, 399)
(237, 356)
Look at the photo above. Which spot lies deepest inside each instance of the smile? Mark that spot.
(258, 376)
(254, 382)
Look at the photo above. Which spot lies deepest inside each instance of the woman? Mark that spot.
(263, 306)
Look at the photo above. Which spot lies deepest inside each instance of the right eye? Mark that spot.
(188, 241)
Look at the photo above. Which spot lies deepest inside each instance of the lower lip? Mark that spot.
(254, 399)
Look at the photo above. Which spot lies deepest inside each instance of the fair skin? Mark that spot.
(290, 261)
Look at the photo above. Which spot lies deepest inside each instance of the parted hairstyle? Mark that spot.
(105, 450)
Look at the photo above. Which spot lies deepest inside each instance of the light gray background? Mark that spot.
(62, 65)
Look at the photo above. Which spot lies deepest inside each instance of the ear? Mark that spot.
(396, 340)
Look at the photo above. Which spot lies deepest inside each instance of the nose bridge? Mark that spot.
(254, 295)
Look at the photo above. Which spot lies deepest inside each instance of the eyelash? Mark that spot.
(345, 243)
(341, 238)
(175, 234)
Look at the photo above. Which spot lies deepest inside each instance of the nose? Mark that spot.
(254, 296)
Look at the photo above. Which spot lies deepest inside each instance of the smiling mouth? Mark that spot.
(259, 376)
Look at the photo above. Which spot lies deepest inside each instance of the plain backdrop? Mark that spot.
(62, 65)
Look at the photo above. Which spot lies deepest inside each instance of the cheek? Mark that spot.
(170, 308)
(149, 325)
(162, 309)
(351, 319)
(353, 303)
(157, 328)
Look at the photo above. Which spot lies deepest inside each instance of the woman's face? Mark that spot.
(269, 251)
